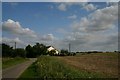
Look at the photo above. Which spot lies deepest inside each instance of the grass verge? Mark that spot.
(30, 72)
(8, 62)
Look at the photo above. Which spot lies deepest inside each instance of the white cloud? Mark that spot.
(112, 3)
(101, 19)
(51, 6)
(65, 0)
(91, 41)
(8, 40)
(62, 7)
(60, 1)
(97, 31)
(63, 31)
(14, 27)
(48, 37)
(13, 3)
(89, 7)
(72, 17)
(11, 42)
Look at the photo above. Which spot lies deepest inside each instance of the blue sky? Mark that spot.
(55, 23)
(39, 16)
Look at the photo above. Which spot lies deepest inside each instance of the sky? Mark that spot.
(86, 26)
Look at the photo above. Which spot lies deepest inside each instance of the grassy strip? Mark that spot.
(30, 72)
(8, 62)
(52, 68)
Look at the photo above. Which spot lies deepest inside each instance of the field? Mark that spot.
(103, 63)
(95, 65)
(8, 62)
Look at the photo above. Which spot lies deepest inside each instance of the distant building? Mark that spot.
(50, 48)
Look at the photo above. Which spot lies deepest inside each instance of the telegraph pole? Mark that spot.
(15, 45)
(69, 47)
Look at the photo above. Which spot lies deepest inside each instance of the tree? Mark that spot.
(29, 52)
(36, 50)
(20, 52)
(74, 54)
(52, 52)
(40, 49)
(7, 51)
(64, 52)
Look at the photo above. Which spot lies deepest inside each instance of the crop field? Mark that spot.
(95, 65)
(102, 63)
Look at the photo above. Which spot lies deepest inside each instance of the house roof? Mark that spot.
(49, 46)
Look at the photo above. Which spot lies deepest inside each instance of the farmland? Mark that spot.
(103, 63)
(100, 65)
(51, 67)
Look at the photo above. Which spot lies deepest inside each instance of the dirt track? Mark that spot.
(15, 71)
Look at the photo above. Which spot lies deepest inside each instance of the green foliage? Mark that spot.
(36, 50)
(29, 52)
(39, 49)
(52, 52)
(30, 72)
(7, 51)
(64, 52)
(7, 62)
(19, 52)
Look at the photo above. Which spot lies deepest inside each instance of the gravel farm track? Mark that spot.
(16, 70)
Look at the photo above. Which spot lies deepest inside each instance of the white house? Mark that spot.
(50, 48)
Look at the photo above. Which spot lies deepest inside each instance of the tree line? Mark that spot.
(30, 51)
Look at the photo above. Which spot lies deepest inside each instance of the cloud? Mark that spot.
(11, 42)
(76, 38)
(64, 1)
(51, 7)
(62, 31)
(61, 1)
(62, 7)
(13, 3)
(72, 17)
(48, 37)
(97, 31)
(101, 19)
(112, 3)
(89, 7)
(14, 27)
(104, 42)
(91, 41)
(8, 40)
